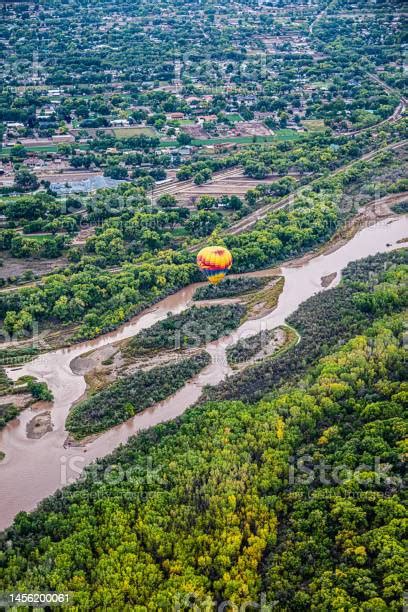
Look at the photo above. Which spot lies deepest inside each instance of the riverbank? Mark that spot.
(42, 466)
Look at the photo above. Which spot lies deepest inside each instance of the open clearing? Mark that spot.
(231, 185)
(128, 132)
(314, 125)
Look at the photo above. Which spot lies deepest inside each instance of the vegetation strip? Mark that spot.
(132, 394)
(193, 328)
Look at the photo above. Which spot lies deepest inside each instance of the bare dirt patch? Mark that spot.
(327, 280)
(16, 267)
(261, 303)
(235, 185)
(39, 426)
(20, 400)
(83, 236)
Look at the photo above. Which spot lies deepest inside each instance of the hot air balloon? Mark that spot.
(214, 261)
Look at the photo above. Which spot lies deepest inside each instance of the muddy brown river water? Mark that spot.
(33, 469)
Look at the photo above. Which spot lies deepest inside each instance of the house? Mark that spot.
(175, 116)
(182, 153)
(206, 118)
(193, 100)
(45, 112)
(63, 138)
(120, 123)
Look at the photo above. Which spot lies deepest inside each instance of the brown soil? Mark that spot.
(84, 363)
(278, 340)
(41, 405)
(15, 267)
(83, 236)
(261, 303)
(20, 400)
(284, 337)
(327, 280)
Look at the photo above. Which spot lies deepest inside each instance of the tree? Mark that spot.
(256, 170)
(184, 139)
(40, 391)
(17, 323)
(184, 173)
(6, 236)
(116, 172)
(167, 200)
(30, 207)
(203, 223)
(202, 176)
(18, 151)
(25, 180)
(206, 203)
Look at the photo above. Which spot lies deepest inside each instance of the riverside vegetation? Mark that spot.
(192, 328)
(131, 394)
(284, 485)
(229, 500)
(88, 296)
(324, 321)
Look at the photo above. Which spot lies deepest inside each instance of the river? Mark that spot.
(34, 469)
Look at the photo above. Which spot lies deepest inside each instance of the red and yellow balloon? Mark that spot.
(214, 261)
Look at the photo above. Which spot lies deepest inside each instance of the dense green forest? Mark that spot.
(192, 328)
(296, 499)
(132, 394)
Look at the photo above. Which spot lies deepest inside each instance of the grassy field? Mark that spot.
(37, 237)
(285, 134)
(5, 151)
(179, 122)
(133, 131)
(234, 117)
(314, 125)
(179, 231)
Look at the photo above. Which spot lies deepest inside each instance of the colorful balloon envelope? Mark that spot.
(214, 261)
